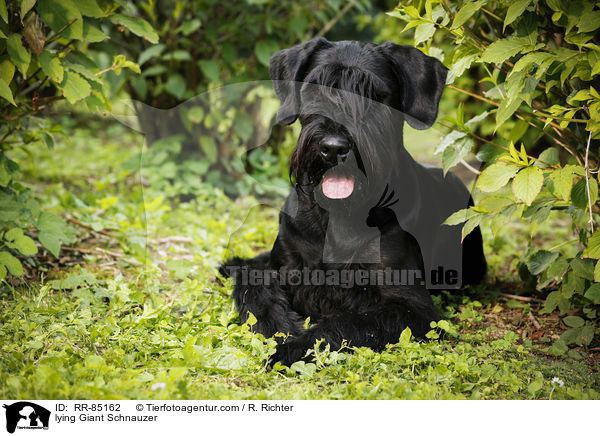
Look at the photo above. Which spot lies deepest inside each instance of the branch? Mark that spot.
(469, 167)
(554, 125)
(587, 181)
(521, 298)
(87, 226)
(487, 141)
(335, 19)
(53, 37)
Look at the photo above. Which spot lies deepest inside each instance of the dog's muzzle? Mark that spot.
(337, 184)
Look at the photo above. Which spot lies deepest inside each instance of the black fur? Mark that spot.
(352, 99)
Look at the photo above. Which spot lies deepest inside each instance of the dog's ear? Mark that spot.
(422, 79)
(287, 68)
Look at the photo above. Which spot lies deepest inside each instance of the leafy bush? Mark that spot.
(48, 51)
(533, 68)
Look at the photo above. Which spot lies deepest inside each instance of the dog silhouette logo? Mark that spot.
(26, 415)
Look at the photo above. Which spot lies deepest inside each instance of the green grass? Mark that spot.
(133, 310)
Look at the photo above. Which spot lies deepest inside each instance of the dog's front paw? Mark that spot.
(293, 350)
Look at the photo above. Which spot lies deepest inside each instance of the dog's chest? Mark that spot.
(316, 301)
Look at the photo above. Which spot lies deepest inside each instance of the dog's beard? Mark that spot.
(369, 127)
(345, 186)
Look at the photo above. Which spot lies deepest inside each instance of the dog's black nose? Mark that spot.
(332, 147)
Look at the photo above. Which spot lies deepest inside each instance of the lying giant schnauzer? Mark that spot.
(361, 238)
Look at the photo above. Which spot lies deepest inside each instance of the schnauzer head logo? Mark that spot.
(26, 415)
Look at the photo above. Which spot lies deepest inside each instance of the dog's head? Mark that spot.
(351, 99)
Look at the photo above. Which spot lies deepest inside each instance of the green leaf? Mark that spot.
(150, 53)
(13, 234)
(243, 126)
(548, 157)
(12, 264)
(195, 114)
(298, 23)
(210, 70)
(593, 293)
(540, 261)
(506, 109)
(535, 386)
(264, 49)
(405, 337)
(455, 153)
(17, 240)
(208, 146)
(515, 10)
(123, 62)
(26, 6)
(495, 203)
(26, 246)
(579, 195)
(555, 270)
(574, 321)
(583, 268)
(154, 70)
(449, 139)
(3, 11)
(74, 87)
(593, 247)
(50, 223)
(470, 225)
(177, 55)
(49, 141)
(589, 21)
(89, 8)
(50, 241)
(251, 319)
(424, 32)
(539, 57)
(62, 16)
(586, 335)
(496, 176)
(175, 85)
(5, 176)
(499, 51)
(189, 26)
(7, 70)
(460, 216)
(461, 64)
(18, 53)
(92, 34)
(467, 12)
(562, 181)
(6, 93)
(551, 302)
(527, 184)
(137, 26)
(558, 348)
(51, 66)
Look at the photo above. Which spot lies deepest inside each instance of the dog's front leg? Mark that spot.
(257, 291)
(374, 328)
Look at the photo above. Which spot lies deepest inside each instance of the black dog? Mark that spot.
(361, 237)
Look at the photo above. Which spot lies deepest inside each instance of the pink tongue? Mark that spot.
(336, 187)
